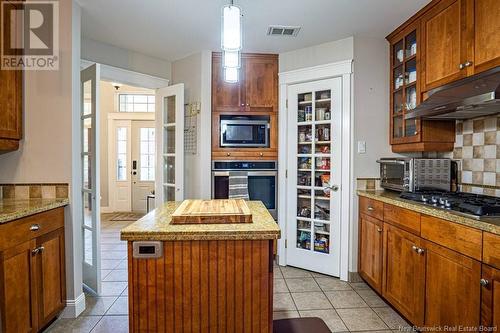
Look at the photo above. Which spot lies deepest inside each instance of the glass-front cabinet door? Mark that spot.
(314, 175)
(405, 91)
(170, 144)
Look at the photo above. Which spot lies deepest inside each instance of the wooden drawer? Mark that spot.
(462, 239)
(245, 155)
(404, 218)
(22, 230)
(371, 207)
(491, 249)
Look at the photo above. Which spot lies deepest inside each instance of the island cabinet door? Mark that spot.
(370, 251)
(404, 273)
(203, 286)
(452, 288)
(490, 297)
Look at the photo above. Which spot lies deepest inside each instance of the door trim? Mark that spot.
(113, 119)
(341, 69)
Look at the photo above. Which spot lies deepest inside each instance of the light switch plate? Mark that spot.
(361, 147)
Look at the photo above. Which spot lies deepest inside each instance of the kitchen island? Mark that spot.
(201, 277)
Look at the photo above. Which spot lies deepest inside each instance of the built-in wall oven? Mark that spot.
(262, 181)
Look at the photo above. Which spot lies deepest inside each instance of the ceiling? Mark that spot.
(173, 29)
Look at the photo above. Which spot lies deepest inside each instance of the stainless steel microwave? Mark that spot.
(416, 174)
(244, 132)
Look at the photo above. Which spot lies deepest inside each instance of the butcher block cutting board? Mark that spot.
(212, 212)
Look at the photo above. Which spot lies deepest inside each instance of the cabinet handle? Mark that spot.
(468, 63)
(370, 208)
(35, 227)
(414, 248)
(248, 104)
(461, 66)
(228, 154)
(380, 229)
(242, 104)
(37, 250)
(484, 282)
(261, 154)
(420, 251)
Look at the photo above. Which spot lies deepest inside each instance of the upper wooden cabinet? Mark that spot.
(256, 90)
(11, 106)
(486, 35)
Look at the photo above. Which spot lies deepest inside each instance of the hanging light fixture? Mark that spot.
(231, 42)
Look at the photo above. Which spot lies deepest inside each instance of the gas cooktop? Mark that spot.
(468, 204)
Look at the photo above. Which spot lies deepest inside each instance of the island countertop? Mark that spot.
(13, 209)
(156, 226)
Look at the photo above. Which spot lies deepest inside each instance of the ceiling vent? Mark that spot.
(280, 30)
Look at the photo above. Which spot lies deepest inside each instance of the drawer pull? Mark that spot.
(379, 229)
(35, 227)
(484, 282)
(414, 248)
(37, 250)
(420, 251)
(370, 208)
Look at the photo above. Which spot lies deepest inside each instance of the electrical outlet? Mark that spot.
(361, 147)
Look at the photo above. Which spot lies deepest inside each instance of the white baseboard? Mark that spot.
(106, 209)
(74, 307)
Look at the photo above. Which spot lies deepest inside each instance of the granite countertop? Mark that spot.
(13, 209)
(393, 198)
(156, 226)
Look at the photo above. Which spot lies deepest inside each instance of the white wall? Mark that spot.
(114, 56)
(193, 71)
(45, 153)
(317, 55)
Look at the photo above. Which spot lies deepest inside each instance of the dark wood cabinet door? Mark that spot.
(50, 275)
(18, 303)
(486, 35)
(452, 286)
(225, 96)
(444, 37)
(370, 251)
(404, 273)
(261, 82)
(490, 297)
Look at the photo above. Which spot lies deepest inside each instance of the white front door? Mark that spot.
(91, 212)
(170, 144)
(143, 163)
(314, 176)
(121, 161)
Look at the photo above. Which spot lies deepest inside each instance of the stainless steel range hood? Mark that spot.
(472, 97)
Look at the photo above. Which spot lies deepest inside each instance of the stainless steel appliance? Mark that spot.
(251, 131)
(471, 97)
(416, 174)
(262, 181)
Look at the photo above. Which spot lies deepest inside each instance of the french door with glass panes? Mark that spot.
(170, 144)
(314, 175)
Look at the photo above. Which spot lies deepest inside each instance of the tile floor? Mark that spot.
(345, 307)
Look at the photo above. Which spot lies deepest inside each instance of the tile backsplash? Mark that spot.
(34, 191)
(477, 147)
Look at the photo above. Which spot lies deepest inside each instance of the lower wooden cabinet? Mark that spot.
(452, 289)
(490, 297)
(32, 275)
(404, 273)
(370, 250)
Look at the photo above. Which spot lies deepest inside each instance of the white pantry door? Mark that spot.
(91, 211)
(314, 176)
(170, 144)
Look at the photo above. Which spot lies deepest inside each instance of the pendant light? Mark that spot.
(231, 42)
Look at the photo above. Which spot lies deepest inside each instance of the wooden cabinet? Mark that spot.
(256, 90)
(444, 43)
(490, 297)
(370, 250)
(452, 290)
(32, 272)
(404, 273)
(486, 36)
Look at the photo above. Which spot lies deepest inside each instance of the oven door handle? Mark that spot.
(391, 162)
(250, 173)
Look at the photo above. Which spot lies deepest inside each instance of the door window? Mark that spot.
(136, 103)
(147, 154)
(121, 153)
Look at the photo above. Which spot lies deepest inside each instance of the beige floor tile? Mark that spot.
(279, 286)
(277, 274)
(112, 324)
(330, 317)
(97, 306)
(359, 285)
(82, 324)
(110, 263)
(120, 275)
(285, 314)
(302, 284)
(371, 298)
(283, 302)
(112, 288)
(392, 319)
(331, 284)
(362, 319)
(292, 272)
(314, 300)
(345, 299)
(120, 307)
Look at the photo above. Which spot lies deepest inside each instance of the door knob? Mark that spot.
(484, 282)
(334, 188)
(414, 248)
(134, 173)
(37, 250)
(420, 251)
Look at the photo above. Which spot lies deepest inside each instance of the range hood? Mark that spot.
(472, 97)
